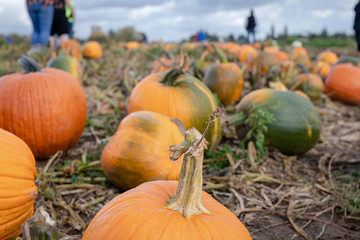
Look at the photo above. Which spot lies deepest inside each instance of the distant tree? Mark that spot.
(128, 34)
(272, 31)
(324, 33)
(230, 38)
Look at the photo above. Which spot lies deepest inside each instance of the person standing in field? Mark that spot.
(250, 27)
(41, 13)
(357, 26)
(69, 12)
(60, 25)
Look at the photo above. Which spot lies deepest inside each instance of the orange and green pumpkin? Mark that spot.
(44, 107)
(67, 63)
(180, 96)
(328, 56)
(72, 47)
(297, 125)
(17, 186)
(138, 152)
(263, 62)
(226, 81)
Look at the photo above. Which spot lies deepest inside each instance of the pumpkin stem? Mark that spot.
(29, 64)
(172, 75)
(187, 199)
(220, 53)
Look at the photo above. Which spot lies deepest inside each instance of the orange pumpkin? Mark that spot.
(309, 83)
(180, 96)
(322, 68)
(163, 210)
(92, 49)
(299, 50)
(281, 56)
(226, 81)
(271, 49)
(138, 152)
(328, 56)
(72, 47)
(304, 59)
(46, 108)
(162, 64)
(264, 61)
(17, 186)
(244, 51)
(301, 93)
(342, 83)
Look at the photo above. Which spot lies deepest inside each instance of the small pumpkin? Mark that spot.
(132, 45)
(67, 63)
(297, 126)
(303, 59)
(17, 186)
(92, 49)
(162, 64)
(281, 56)
(244, 51)
(72, 47)
(177, 95)
(328, 56)
(299, 50)
(309, 83)
(163, 210)
(264, 61)
(138, 151)
(321, 68)
(44, 107)
(343, 83)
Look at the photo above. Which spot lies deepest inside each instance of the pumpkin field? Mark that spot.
(277, 142)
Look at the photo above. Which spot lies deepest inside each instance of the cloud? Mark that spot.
(173, 20)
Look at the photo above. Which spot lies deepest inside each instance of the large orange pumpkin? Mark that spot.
(343, 83)
(92, 49)
(264, 61)
(163, 210)
(17, 185)
(138, 152)
(226, 81)
(46, 108)
(178, 96)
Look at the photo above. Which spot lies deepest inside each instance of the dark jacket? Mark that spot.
(357, 17)
(251, 24)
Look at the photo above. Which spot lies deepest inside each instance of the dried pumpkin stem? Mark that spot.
(187, 199)
(29, 64)
(172, 75)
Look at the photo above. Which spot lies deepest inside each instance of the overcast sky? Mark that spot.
(174, 20)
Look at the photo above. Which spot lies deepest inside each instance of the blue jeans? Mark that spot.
(250, 32)
(70, 29)
(42, 18)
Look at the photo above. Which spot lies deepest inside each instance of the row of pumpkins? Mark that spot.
(46, 108)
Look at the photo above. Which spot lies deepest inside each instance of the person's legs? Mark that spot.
(357, 37)
(47, 15)
(70, 29)
(254, 38)
(34, 13)
(248, 36)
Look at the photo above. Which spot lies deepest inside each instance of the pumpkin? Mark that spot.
(177, 95)
(301, 93)
(163, 210)
(297, 125)
(303, 59)
(66, 63)
(328, 56)
(264, 61)
(72, 47)
(321, 68)
(281, 56)
(299, 50)
(138, 151)
(162, 64)
(46, 108)
(244, 51)
(92, 49)
(271, 49)
(309, 83)
(17, 186)
(132, 45)
(226, 81)
(349, 59)
(343, 83)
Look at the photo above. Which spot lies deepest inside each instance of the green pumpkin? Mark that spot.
(66, 63)
(297, 125)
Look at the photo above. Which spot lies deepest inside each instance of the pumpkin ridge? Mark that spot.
(21, 218)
